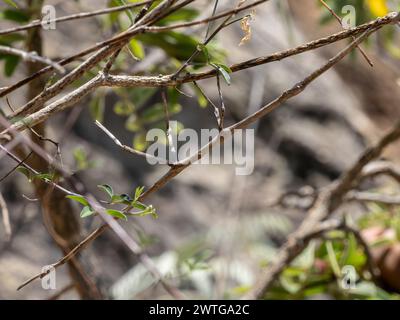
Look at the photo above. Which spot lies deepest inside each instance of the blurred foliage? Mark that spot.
(325, 269)
(319, 271)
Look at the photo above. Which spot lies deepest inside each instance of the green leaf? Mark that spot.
(133, 123)
(123, 198)
(107, 188)
(203, 48)
(26, 172)
(128, 12)
(333, 259)
(79, 199)
(10, 65)
(139, 141)
(291, 280)
(9, 39)
(156, 112)
(86, 212)
(117, 214)
(224, 71)
(136, 49)
(81, 159)
(148, 210)
(138, 205)
(176, 45)
(15, 15)
(201, 99)
(184, 14)
(138, 192)
(97, 107)
(354, 255)
(124, 108)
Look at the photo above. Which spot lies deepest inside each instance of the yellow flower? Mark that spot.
(378, 8)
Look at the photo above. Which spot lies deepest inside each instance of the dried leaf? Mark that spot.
(246, 27)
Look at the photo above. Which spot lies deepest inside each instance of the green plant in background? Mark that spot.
(318, 271)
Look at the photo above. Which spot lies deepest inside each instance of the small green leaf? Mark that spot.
(10, 65)
(138, 205)
(201, 99)
(81, 159)
(107, 188)
(146, 210)
(156, 112)
(123, 198)
(138, 192)
(136, 49)
(124, 108)
(25, 172)
(139, 141)
(79, 199)
(133, 123)
(224, 71)
(126, 197)
(203, 48)
(117, 214)
(86, 212)
(97, 106)
(333, 259)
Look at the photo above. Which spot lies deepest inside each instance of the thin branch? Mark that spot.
(381, 168)
(38, 23)
(69, 256)
(32, 57)
(60, 293)
(6, 218)
(216, 109)
(170, 143)
(360, 196)
(221, 110)
(139, 16)
(16, 167)
(126, 148)
(340, 22)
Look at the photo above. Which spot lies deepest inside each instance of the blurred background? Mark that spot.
(215, 230)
